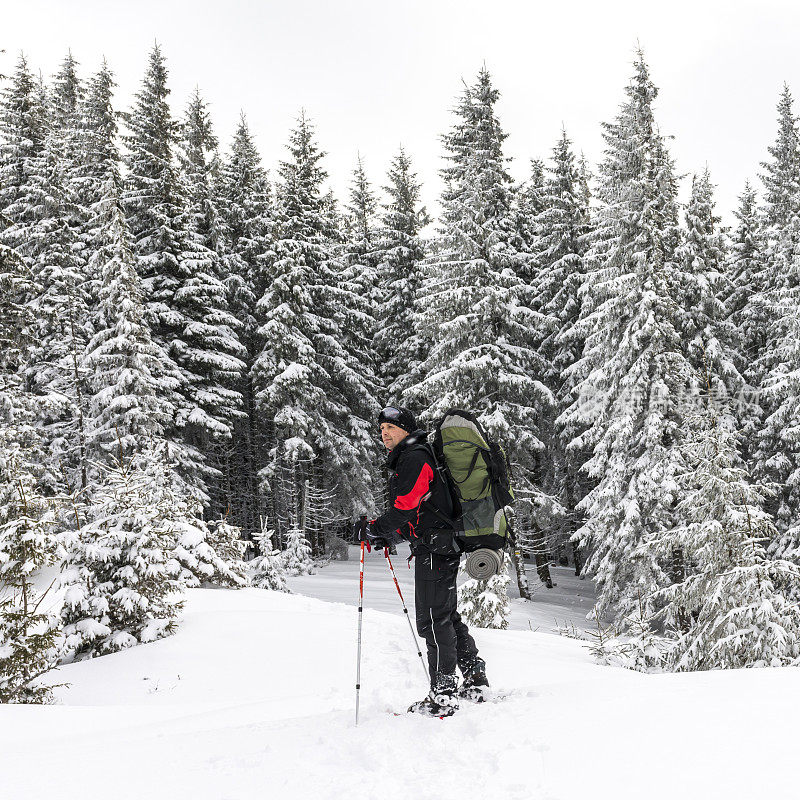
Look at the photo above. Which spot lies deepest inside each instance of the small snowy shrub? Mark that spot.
(267, 571)
(297, 555)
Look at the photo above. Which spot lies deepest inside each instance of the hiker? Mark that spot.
(415, 489)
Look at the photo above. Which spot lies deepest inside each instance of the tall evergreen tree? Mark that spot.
(214, 354)
(474, 309)
(706, 331)
(65, 100)
(632, 378)
(95, 172)
(28, 646)
(530, 198)
(65, 105)
(127, 408)
(23, 127)
(186, 302)
(562, 228)
(36, 201)
(357, 277)
(399, 254)
(777, 450)
(28, 637)
(747, 312)
(248, 221)
(307, 386)
(563, 224)
(734, 606)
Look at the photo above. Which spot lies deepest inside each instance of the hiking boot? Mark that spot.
(475, 686)
(441, 700)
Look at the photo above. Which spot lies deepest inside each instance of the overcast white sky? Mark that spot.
(374, 74)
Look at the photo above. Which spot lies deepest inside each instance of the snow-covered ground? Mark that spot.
(563, 606)
(254, 698)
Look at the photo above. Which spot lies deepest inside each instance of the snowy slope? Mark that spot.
(253, 698)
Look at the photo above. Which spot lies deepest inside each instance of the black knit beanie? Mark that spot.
(397, 415)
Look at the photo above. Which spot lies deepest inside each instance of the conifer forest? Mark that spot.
(195, 346)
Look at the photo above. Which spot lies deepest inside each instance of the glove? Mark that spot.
(364, 531)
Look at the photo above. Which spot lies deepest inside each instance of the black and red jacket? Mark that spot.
(414, 487)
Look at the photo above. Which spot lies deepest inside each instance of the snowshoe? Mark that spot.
(441, 700)
(475, 687)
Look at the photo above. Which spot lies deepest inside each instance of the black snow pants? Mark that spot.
(435, 597)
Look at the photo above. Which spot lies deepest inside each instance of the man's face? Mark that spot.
(392, 435)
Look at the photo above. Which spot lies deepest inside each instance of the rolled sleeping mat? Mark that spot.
(483, 563)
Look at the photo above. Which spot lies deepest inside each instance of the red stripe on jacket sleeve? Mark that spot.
(411, 500)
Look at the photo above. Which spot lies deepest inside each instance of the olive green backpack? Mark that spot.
(478, 474)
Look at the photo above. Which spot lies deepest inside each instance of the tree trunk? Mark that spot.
(519, 567)
(578, 558)
(540, 555)
(251, 461)
(78, 400)
(678, 575)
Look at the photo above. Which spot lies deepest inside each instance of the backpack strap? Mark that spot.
(426, 503)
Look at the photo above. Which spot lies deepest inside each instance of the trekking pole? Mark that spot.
(360, 618)
(405, 611)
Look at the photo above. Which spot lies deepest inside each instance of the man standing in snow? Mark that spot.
(415, 488)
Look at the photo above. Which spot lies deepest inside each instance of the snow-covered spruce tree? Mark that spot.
(34, 200)
(65, 99)
(747, 313)
(777, 449)
(128, 404)
(357, 267)
(484, 604)
(211, 337)
(347, 298)
(23, 128)
(706, 331)
(184, 298)
(209, 553)
(229, 548)
(288, 376)
(245, 199)
(28, 639)
(399, 253)
(734, 607)
(632, 378)
(122, 585)
(309, 390)
(359, 308)
(93, 172)
(562, 227)
(246, 211)
(634, 643)
(297, 555)
(354, 304)
(474, 308)
(531, 203)
(266, 569)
